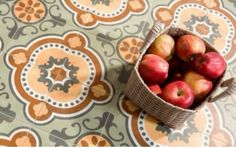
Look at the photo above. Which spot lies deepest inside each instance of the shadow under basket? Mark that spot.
(171, 115)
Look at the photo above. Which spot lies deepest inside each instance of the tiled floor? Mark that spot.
(64, 65)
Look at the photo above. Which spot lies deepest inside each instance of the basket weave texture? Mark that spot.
(136, 89)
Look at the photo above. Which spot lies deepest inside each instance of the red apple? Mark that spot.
(153, 69)
(163, 46)
(200, 85)
(155, 88)
(211, 65)
(172, 77)
(178, 93)
(188, 46)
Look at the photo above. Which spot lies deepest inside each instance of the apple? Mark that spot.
(155, 88)
(153, 69)
(211, 64)
(163, 46)
(200, 85)
(178, 93)
(188, 46)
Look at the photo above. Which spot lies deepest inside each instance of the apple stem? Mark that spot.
(180, 92)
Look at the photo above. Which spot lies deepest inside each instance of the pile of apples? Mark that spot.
(181, 72)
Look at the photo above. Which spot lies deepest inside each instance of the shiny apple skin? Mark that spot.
(178, 93)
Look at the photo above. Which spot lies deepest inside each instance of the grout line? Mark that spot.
(103, 129)
(33, 122)
(30, 127)
(37, 66)
(208, 9)
(116, 99)
(41, 107)
(118, 91)
(1, 53)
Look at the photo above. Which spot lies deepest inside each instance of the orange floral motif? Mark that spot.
(93, 140)
(67, 79)
(130, 49)
(91, 13)
(20, 137)
(147, 131)
(217, 27)
(29, 11)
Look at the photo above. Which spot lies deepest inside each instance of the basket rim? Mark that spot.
(159, 98)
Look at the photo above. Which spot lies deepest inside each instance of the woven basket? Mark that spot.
(172, 116)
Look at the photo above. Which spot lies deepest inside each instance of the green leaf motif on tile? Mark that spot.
(4, 8)
(204, 26)
(174, 135)
(58, 74)
(17, 28)
(123, 72)
(107, 122)
(6, 114)
(55, 19)
(59, 137)
(2, 92)
(116, 35)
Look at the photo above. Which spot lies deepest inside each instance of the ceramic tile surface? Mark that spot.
(64, 65)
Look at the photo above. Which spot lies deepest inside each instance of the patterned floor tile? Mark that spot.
(223, 35)
(207, 141)
(226, 107)
(113, 68)
(80, 11)
(5, 9)
(20, 137)
(9, 105)
(177, 12)
(69, 133)
(28, 98)
(85, 125)
(109, 121)
(3, 44)
(205, 126)
(114, 127)
(74, 103)
(25, 89)
(44, 135)
(114, 37)
(60, 138)
(52, 52)
(45, 18)
(78, 56)
(18, 133)
(65, 81)
(114, 30)
(26, 17)
(89, 122)
(93, 139)
(89, 14)
(230, 5)
(44, 98)
(207, 19)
